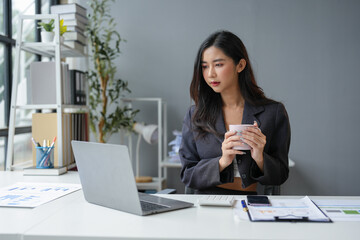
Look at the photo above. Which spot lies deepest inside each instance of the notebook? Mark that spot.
(108, 180)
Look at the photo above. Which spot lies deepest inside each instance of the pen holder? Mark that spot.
(44, 157)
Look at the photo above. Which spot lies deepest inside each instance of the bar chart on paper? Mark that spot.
(302, 209)
(340, 210)
(34, 194)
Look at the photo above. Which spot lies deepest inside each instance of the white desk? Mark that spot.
(71, 217)
(15, 221)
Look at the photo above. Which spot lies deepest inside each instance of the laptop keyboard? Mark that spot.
(148, 206)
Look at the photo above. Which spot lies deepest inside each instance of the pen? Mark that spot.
(37, 144)
(43, 162)
(47, 153)
(33, 140)
(50, 147)
(53, 142)
(244, 205)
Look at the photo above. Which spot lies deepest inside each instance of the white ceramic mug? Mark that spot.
(239, 128)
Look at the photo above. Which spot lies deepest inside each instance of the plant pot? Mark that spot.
(47, 36)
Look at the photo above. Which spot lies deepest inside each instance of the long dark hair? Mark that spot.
(207, 101)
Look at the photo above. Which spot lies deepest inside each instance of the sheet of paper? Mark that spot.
(287, 209)
(340, 210)
(239, 212)
(25, 194)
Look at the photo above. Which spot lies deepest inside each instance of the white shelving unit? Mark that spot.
(54, 50)
(159, 182)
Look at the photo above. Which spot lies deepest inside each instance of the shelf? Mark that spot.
(57, 51)
(159, 182)
(152, 185)
(169, 164)
(37, 106)
(75, 108)
(52, 106)
(48, 49)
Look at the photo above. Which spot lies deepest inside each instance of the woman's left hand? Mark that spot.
(256, 140)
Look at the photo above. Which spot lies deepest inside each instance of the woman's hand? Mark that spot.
(256, 140)
(228, 154)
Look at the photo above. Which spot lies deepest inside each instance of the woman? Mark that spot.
(225, 92)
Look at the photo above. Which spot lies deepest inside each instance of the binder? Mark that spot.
(288, 210)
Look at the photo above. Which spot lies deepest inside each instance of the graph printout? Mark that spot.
(26, 194)
(288, 209)
(340, 209)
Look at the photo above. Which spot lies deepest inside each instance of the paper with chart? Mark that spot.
(288, 209)
(26, 194)
(340, 210)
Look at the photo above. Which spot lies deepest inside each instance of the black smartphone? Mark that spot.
(254, 200)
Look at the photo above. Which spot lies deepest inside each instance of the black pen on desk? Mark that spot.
(243, 203)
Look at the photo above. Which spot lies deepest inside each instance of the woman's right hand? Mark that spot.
(228, 154)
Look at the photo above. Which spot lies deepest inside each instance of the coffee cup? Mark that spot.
(239, 128)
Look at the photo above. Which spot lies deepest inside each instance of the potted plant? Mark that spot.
(104, 89)
(63, 29)
(47, 34)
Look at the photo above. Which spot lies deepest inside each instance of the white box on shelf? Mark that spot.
(43, 81)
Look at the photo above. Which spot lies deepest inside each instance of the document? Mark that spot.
(340, 210)
(288, 210)
(25, 194)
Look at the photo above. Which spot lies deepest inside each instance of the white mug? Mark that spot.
(239, 128)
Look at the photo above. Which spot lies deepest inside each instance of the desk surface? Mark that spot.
(71, 217)
(15, 221)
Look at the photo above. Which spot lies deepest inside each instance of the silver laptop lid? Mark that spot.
(107, 176)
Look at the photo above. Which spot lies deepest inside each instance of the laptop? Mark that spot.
(108, 180)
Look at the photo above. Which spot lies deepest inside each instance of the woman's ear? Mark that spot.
(241, 65)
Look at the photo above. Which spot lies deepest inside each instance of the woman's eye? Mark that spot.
(219, 65)
(204, 67)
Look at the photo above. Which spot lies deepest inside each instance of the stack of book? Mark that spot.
(75, 19)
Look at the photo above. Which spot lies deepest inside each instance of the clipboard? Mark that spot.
(287, 210)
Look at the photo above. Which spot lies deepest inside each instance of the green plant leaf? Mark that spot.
(48, 27)
(105, 48)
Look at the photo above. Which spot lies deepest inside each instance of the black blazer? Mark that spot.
(200, 157)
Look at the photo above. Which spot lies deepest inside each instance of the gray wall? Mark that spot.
(304, 53)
